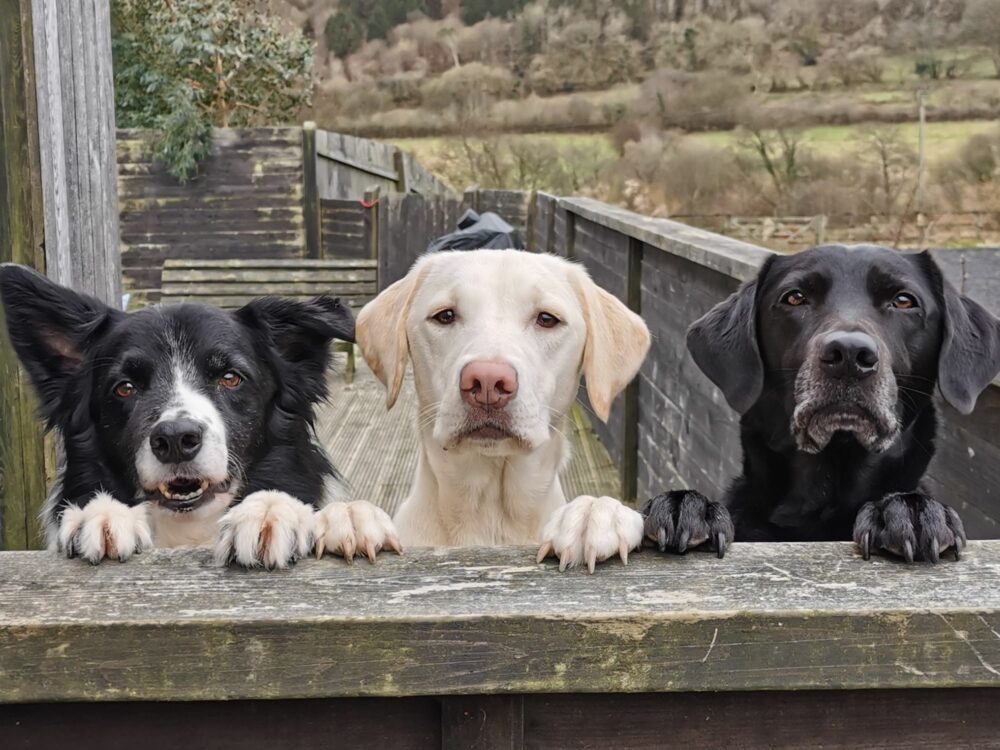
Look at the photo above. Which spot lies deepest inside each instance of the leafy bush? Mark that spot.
(182, 67)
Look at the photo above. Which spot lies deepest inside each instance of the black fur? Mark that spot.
(77, 349)
(762, 353)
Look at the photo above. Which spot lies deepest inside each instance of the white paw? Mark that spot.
(591, 529)
(345, 528)
(268, 529)
(104, 527)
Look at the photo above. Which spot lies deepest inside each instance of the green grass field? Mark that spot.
(943, 139)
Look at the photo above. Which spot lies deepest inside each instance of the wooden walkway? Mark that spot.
(376, 450)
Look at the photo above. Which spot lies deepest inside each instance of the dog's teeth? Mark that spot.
(204, 485)
(164, 490)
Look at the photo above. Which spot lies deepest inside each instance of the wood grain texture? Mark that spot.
(246, 202)
(169, 625)
(22, 233)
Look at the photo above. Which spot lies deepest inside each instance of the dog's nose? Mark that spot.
(176, 440)
(489, 384)
(848, 354)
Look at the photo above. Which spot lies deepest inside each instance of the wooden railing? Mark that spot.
(486, 646)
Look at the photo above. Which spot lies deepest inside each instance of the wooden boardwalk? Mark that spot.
(376, 450)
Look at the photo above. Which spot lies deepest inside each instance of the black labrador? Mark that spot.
(831, 357)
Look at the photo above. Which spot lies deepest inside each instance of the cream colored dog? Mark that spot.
(498, 340)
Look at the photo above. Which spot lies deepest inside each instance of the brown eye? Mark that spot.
(125, 389)
(230, 380)
(547, 320)
(794, 298)
(904, 301)
(445, 317)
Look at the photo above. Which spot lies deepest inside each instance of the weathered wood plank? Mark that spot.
(279, 287)
(174, 275)
(276, 263)
(170, 625)
(22, 451)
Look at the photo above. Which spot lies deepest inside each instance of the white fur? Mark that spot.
(267, 529)
(104, 527)
(212, 461)
(591, 529)
(196, 528)
(474, 492)
(345, 528)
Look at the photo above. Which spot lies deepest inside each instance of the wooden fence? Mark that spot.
(778, 645)
(247, 202)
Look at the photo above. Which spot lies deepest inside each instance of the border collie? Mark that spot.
(186, 425)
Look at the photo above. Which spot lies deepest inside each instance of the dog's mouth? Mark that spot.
(185, 494)
(814, 426)
(485, 430)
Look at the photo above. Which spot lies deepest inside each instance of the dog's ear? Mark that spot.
(382, 332)
(617, 343)
(723, 343)
(51, 328)
(301, 331)
(970, 350)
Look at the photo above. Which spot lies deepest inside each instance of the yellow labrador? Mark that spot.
(498, 340)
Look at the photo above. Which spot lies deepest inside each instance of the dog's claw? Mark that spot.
(544, 551)
(674, 519)
(866, 546)
(911, 525)
(935, 550)
(908, 551)
(370, 551)
(591, 555)
(623, 552)
(564, 559)
(320, 548)
(392, 542)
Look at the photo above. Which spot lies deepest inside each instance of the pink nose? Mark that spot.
(489, 384)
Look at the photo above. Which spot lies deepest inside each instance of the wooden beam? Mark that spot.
(170, 625)
(631, 417)
(482, 722)
(399, 163)
(310, 193)
(22, 449)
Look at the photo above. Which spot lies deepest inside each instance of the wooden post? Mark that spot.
(58, 203)
(570, 234)
(399, 162)
(310, 193)
(22, 240)
(630, 422)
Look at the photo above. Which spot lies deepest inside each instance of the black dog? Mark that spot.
(170, 415)
(831, 357)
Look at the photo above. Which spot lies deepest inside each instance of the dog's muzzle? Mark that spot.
(844, 386)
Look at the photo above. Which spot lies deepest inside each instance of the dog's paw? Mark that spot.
(345, 528)
(910, 525)
(268, 529)
(104, 528)
(683, 519)
(591, 529)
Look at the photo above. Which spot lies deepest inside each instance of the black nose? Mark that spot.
(176, 441)
(848, 354)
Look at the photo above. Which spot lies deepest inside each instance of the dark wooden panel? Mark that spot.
(482, 722)
(400, 724)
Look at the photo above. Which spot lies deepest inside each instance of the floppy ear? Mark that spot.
(382, 332)
(617, 343)
(970, 351)
(723, 343)
(301, 332)
(51, 328)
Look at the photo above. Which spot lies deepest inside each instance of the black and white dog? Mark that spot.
(185, 425)
(832, 357)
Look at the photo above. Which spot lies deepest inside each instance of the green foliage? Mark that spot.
(185, 66)
(378, 17)
(344, 33)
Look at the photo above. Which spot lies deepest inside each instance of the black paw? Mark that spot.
(912, 525)
(683, 519)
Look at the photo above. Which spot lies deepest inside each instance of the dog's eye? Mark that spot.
(125, 389)
(445, 317)
(547, 320)
(230, 379)
(794, 298)
(904, 301)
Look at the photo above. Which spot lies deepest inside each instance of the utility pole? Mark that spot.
(921, 148)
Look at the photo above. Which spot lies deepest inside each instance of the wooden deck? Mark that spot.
(376, 450)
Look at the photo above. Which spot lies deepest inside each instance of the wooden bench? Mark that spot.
(778, 645)
(231, 284)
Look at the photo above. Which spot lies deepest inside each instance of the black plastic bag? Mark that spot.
(477, 232)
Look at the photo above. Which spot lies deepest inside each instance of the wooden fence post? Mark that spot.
(310, 193)
(371, 201)
(58, 204)
(630, 420)
(399, 163)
